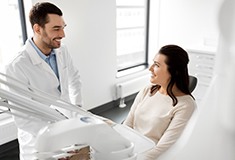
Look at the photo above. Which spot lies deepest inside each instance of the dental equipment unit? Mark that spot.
(62, 135)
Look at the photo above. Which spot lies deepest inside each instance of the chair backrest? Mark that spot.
(192, 83)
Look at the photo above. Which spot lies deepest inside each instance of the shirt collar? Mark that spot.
(43, 56)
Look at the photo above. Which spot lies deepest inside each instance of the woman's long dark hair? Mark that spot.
(176, 61)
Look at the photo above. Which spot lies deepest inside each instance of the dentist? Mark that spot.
(44, 63)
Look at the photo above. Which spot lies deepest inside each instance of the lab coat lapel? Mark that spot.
(59, 60)
(37, 60)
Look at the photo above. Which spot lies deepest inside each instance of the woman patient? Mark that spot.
(161, 110)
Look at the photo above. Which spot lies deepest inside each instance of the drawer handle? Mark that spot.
(205, 67)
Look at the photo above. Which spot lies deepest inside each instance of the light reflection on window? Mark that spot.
(11, 34)
(10, 31)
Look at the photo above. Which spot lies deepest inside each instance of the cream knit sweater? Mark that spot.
(155, 117)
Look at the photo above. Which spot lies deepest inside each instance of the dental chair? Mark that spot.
(192, 83)
(185, 135)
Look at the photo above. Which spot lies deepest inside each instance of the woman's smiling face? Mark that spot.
(160, 74)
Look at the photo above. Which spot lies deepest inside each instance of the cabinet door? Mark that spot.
(201, 65)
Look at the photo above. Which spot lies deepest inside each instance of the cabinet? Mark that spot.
(201, 65)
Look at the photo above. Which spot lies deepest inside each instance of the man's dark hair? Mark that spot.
(39, 13)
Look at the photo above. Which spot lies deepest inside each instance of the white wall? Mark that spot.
(90, 37)
(189, 22)
(154, 21)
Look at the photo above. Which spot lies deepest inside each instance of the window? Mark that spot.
(132, 33)
(12, 31)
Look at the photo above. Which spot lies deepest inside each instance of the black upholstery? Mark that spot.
(192, 83)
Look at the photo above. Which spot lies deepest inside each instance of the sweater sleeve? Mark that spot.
(129, 121)
(173, 131)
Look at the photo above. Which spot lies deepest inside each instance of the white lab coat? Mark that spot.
(30, 68)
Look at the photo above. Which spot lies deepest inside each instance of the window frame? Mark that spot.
(23, 20)
(142, 66)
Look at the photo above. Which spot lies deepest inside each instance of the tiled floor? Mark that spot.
(10, 151)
